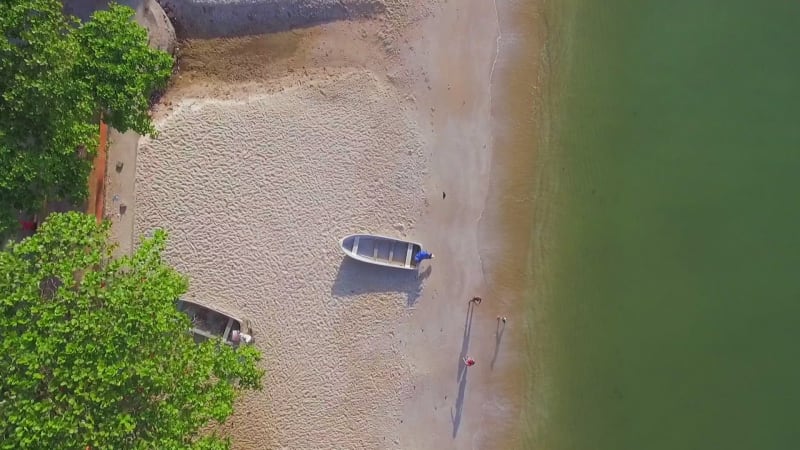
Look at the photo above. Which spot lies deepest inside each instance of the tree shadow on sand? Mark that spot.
(356, 278)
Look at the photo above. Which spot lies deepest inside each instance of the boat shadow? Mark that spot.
(356, 278)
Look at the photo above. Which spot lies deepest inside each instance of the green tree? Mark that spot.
(121, 69)
(95, 353)
(57, 76)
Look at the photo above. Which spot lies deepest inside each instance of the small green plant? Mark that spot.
(57, 77)
(95, 353)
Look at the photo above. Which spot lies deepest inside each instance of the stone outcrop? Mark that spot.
(149, 14)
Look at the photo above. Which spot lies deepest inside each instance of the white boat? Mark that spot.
(381, 250)
(209, 323)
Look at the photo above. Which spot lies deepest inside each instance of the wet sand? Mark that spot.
(520, 208)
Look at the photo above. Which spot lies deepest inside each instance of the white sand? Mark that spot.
(258, 178)
(456, 49)
(255, 195)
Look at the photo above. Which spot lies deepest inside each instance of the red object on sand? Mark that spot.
(469, 362)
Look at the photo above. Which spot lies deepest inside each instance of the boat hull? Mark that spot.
(381, 250)
(208, 323)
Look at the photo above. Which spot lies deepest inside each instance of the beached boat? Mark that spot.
(208, 323)
(381, 250)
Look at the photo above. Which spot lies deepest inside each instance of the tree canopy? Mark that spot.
(57, 77)
(95, 353)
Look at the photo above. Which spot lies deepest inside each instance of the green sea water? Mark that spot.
(669, 295)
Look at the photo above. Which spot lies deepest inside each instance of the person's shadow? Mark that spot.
(425, 273)
(465, 341)
(461, 376)
(498, 336)
(455, 415)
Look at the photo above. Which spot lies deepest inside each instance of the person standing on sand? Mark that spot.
(476, 300)
(29, 225)
(422, 255)
(469, 362)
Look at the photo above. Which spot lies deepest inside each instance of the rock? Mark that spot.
(162, 33)
(149, 14)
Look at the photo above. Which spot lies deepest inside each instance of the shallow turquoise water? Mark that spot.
(672, 293)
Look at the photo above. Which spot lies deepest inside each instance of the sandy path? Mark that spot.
(97, 178)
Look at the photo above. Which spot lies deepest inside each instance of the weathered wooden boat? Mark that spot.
(381, 250)
(209, 323)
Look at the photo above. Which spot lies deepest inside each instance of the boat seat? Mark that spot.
(409, 252)
(355, 244)
(227, 332)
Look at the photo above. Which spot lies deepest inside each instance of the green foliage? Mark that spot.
(94, 351)
(45, 114)
(56, 77)
(120, 57)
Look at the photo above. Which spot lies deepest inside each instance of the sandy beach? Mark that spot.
(271, 148)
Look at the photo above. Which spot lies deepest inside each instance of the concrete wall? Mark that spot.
(218, 18)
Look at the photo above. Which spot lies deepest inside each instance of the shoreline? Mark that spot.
(519, 207)
(457, 90)
(434, 82)
(517, 210)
